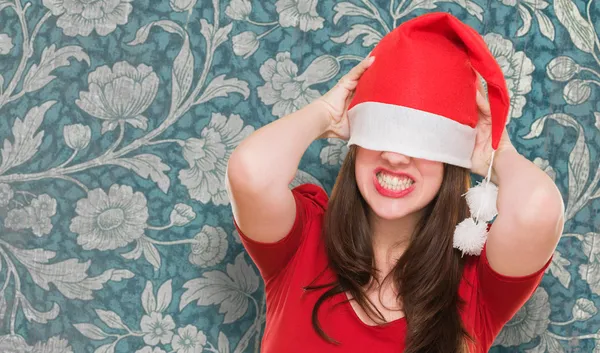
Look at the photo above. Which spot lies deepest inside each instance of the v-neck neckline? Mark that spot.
(347, 303)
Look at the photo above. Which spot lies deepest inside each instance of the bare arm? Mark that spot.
(530, 207)
(261, 168)
(530, 216)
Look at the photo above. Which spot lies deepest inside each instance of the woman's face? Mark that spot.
(395, 185)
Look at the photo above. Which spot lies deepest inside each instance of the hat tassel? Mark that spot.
(471, 234)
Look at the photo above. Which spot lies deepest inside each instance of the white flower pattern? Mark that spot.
(44, 205)
(182, 83)
(40, 226)
(182, 5)
(285, 89)
(6, 194)
(238, 9)
(6, 44)
(13, 344)
(35, 216)
(517, 69)
(17, 219)
(299, 13)
(81, 17)
(150, 350)
(282, 89)
(245, 44)
(77, 136)
(181, 215)
(210, 248)
(207, 158)
(189, 340)
(157, 328)
(109, 221)
(120, 94)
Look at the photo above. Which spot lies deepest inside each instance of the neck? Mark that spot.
(391, 237)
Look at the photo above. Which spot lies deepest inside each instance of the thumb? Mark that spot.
(483, 104)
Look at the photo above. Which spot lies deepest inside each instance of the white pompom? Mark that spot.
(482, 201)
(469, 236)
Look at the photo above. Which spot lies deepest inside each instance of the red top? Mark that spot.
(293, 262)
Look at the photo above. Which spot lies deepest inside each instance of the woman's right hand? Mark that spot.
(337, 99)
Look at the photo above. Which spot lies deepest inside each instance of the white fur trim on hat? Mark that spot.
(415, 133)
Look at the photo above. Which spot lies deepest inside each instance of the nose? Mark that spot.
(395, 158)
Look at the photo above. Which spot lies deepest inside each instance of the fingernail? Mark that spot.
(371, 59)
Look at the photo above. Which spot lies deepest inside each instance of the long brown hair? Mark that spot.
(427, 275)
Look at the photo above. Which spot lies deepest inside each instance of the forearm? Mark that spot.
(269, 157)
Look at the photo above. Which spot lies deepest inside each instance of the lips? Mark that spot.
(393, 193)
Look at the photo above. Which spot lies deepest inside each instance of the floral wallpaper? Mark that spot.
(117, 118)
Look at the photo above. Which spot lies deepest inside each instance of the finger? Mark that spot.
(479, 83)
(349, 99)
(348, 83)
(483, 104)
(351, 95)
(359, 69)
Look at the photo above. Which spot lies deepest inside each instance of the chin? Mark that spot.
(390, 209)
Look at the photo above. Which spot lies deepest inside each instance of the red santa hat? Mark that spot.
(418, 99)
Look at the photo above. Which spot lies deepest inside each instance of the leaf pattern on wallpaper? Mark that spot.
(148, 166)
(342, 9)
(229, 290)
(579, 86)
(26, 138)
(117, 120)
(369, 35)
(526, 10)
(579, 162)
(558, 268)
(15, 343)
(183, 72)
(39, 76)
(183, 64)
(470, 6)
(590, 272)
(221, 87)
(70, 276)
(581, 31)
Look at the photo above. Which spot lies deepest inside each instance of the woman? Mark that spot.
(378, 267)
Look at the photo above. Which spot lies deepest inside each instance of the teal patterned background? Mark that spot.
(117, 118)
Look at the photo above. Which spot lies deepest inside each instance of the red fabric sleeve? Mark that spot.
(271, 258)
(503, 296)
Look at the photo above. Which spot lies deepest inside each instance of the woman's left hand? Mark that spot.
(482, 153)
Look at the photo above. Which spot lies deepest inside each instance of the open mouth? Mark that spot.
(394, 185)
(394, 182)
